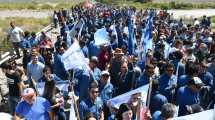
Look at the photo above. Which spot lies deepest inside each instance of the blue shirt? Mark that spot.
(37, 111)
(185, 96)
(157, 116)
(167, 85)
(144, 79)
(183, 80)
(25, 43)
(35, 70)
(33, 41)
(94, 50)
(88, 106)
(85, 51)
(207, 78)
(59, 68)
(96, 74)
(106, 92)
(157, 101)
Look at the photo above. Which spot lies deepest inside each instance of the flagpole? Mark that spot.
(73, 95)
(149, 93)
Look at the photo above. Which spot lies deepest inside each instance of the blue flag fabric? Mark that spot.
(147, 41)
(131, 37)
(124, 98)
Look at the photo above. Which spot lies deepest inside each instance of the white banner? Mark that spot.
(101, 37)
(73, 57)
(61, 85)
(205, 115)
(124, 98)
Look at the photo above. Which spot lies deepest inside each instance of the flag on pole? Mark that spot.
(81, 28)
(131, 36)
(77, 25)
(147, 41)
(74, 58)
(101, 37)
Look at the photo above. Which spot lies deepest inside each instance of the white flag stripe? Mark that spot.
(101, 37)
(205, 115)
(72, 111)
(73, 57)
(124, 98)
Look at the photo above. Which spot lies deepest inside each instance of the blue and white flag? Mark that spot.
(124, 98)
(74, 58)
(77, 25)
(131, 37)
(81, 28)
(101, 37)
(146, 39)
(205, 115)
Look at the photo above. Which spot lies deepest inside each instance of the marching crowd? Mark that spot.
(179, 65)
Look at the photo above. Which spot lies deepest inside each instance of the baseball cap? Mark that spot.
(28, 92)
(196, 81)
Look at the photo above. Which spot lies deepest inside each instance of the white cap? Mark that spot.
(105, 72)
(28, 92)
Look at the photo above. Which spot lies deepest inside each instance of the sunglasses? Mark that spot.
(170, 70)
(94, 91)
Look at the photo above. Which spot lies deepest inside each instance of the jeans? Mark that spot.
(16, 46)
(61, 115)
(12, 102)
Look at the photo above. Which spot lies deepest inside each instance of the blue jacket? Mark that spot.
(167, 85)
(59, 68)
(185, 96)
(88, 106)
(106, 92)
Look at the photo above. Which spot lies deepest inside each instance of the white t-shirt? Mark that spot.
(15, 34)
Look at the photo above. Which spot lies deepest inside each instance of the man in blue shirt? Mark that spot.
(92, 104)
(205, 76)
(144, 79)
(94, 70)
(33, 107)
(191, 71)
(157, 99)
(106, 91)
(188, 95)
(168, 82)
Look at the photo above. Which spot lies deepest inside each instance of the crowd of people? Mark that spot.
(180, 65)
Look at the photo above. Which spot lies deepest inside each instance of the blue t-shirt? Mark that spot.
(157, 116)
(185, 96)
(37, 111)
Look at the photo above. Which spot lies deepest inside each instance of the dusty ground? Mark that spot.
(25, 13)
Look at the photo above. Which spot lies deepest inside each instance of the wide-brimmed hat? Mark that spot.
(118, 51)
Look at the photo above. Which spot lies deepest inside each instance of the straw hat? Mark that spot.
(118, 51)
